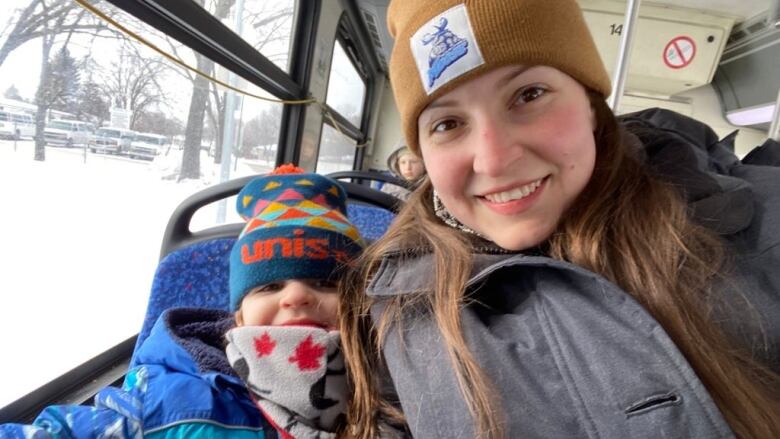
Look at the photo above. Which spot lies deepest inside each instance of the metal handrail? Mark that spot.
(621, 65)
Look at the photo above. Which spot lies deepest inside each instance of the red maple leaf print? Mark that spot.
(264, 345)
(307, 354)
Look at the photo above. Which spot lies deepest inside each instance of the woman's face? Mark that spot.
(411, 166)
(509, 151)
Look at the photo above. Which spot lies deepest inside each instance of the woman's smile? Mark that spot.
(516, 200)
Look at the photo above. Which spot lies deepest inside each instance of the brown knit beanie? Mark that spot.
(440, 44)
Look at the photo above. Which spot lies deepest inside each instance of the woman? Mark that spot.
(545, 280)
(406, 165)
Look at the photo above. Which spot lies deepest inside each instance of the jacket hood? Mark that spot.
(392, 159)
(189, 339)
(689, 155)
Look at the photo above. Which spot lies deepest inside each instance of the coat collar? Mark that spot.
(412, 271)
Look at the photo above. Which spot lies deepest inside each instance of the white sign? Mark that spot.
(120, 118)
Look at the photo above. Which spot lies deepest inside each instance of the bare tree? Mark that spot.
(267, 27)
(47, 20)
(270, 26)
(158, 123)
(37, 20)
(132, 82)
(190, 165)
(215, 110)
(193, 133)
(42, 96)
(261, 130)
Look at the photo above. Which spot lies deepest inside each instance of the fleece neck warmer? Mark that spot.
(295, 374)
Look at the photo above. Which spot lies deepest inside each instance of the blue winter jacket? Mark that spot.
(182, 387)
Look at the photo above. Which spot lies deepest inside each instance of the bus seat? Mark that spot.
(193, 276)
(193, 268)
(377, 184)
(371, 221)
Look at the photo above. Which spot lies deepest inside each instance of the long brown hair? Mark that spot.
(666, 262)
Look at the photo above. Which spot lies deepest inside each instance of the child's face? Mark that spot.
(291, 303)
(411, 166)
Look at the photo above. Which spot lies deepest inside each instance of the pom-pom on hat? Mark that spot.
(440, 44)
(297, 228)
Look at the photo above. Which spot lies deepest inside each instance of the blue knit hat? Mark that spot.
(297, 228)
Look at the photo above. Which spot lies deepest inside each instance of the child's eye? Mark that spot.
(529, 94)
(324, 284)
(268, 288)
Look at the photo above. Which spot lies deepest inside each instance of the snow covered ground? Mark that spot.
(79, 244)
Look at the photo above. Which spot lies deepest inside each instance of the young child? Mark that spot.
(279, 337)
(282, 286)
(407, 165)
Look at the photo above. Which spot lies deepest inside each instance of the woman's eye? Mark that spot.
(529, 94)
(445, 125)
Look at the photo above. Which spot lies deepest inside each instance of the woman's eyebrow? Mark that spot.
(437, 103)
(512, 74)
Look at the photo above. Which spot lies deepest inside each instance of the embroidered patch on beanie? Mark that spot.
(445, 48)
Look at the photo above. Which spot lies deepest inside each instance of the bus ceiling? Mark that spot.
(730, 45)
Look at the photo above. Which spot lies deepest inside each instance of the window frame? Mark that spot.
(365, 64)
(180, 20)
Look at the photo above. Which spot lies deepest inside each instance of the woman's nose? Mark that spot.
(495, 147)
(295, 295)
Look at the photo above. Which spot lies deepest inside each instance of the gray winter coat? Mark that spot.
(570, 354)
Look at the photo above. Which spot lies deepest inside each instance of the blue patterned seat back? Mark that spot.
(193, 276)
(197, 275)
(371, 221)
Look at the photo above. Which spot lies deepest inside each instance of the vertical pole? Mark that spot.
(621, 65)
(230, 117)
(240, 129)
(774, 128)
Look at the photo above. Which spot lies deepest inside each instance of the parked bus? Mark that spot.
(147, 146)
(15, 125)
(68, 133)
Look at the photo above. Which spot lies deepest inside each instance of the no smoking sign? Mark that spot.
(679, 52)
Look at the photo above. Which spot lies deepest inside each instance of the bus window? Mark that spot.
(337, 151)
(266, 25)
(346, 89)
(87, 279)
